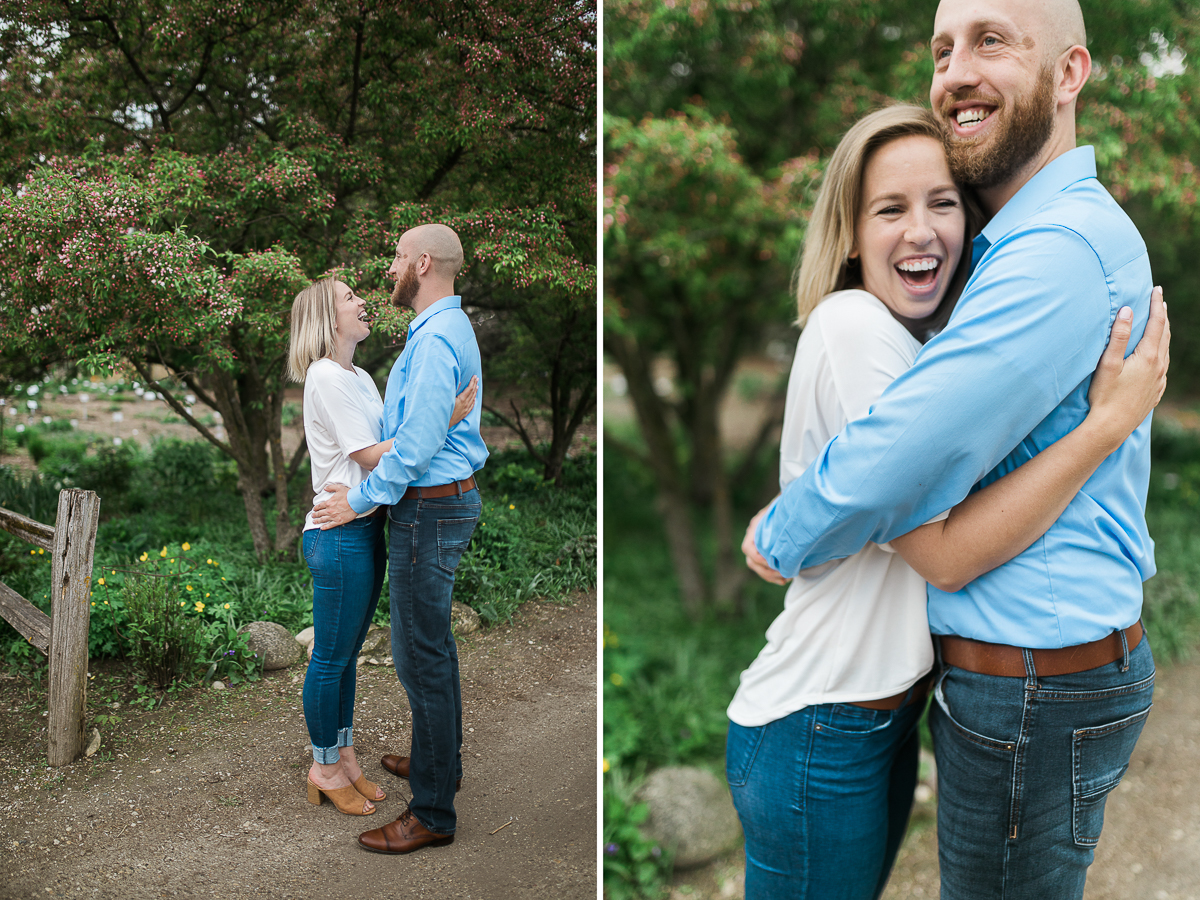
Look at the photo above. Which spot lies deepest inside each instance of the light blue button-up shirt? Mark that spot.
(1007, 378)
(438, 361)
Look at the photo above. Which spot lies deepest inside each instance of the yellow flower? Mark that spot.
(93, 603)
(189, 587)
(181, 603)
(604, 764)
(164, 553)
(106, 603)
(199, 606)
(510, 506)
(209, 561)
(101, 581)
(186, 546)
(616, 679)
(222, 577)
(206, 595)
(226, 605)
(171, 560)
(33, 553)
(40, 551)
(144, 557)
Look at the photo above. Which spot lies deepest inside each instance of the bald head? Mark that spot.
(440, 242)
(1064, 25)
(1051, 25)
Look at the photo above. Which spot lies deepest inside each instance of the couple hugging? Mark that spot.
(963, 273)
(421, 479)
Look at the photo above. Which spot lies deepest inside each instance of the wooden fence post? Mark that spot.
(70, 616)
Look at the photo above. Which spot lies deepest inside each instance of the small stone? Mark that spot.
(218, 685)
(923, 793)
(373, 661)
(306, 636)
(93, 744)
(378, 642)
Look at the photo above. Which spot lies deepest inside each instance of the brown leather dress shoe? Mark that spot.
(398, 765)
(404, 835)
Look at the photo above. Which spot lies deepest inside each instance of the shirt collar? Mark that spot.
(454, 301)
(1074, 165)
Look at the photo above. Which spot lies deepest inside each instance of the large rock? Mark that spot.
(691, 812)
(273, 643)
(463, 619)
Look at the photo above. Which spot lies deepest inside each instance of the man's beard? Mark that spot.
(990, 160)
(406, 288)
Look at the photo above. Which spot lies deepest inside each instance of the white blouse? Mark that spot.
(855, 628)
(343, 413)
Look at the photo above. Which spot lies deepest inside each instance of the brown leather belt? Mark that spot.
(440, 490)
(915, 694)
(1001, 659)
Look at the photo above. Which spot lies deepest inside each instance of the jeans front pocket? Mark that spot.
(741, 747)
(1100, 756)
(453, 536)
(311, 538)
(848, 719)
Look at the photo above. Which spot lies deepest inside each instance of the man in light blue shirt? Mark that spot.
(427, 483)
(1046, 678)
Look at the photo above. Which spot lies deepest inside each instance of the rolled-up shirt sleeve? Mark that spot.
(426, 406)
(1027, 333)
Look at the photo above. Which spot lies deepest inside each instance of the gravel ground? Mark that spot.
(1150, 848)
(204, 796)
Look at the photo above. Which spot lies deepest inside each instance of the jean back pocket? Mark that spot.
(1100, 756)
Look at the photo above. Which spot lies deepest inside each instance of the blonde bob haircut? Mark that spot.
(314, 327)
(825, 264)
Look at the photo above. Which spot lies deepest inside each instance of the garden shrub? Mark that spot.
(165, 639)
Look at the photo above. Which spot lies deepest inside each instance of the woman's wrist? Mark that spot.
(1106, 431)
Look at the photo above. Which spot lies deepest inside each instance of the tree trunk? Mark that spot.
(674, 502)
(676, 515)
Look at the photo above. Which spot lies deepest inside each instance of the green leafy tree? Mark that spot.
(176, 172)
(692, 242)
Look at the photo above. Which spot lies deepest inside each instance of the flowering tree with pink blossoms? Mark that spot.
(175, 173)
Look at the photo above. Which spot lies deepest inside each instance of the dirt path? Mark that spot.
(204, 797)
(1150, 848)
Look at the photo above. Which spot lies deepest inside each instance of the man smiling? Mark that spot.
(1046, 677)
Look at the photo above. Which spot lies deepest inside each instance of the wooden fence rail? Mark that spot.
(62, 635)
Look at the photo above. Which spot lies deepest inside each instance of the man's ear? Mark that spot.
(424, 264)
(1073, 69)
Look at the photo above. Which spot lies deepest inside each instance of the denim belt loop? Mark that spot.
(458, 487)
(1030, 669)
(1124, 650)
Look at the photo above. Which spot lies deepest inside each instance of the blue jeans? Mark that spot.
(427, 538)
(347, 564)
(824, 796)
(1024, 768)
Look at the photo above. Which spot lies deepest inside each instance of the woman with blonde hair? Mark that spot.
(343, 423)
(822, 748)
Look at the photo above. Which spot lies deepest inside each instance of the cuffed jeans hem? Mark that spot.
(346, 736)
(326, 756)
